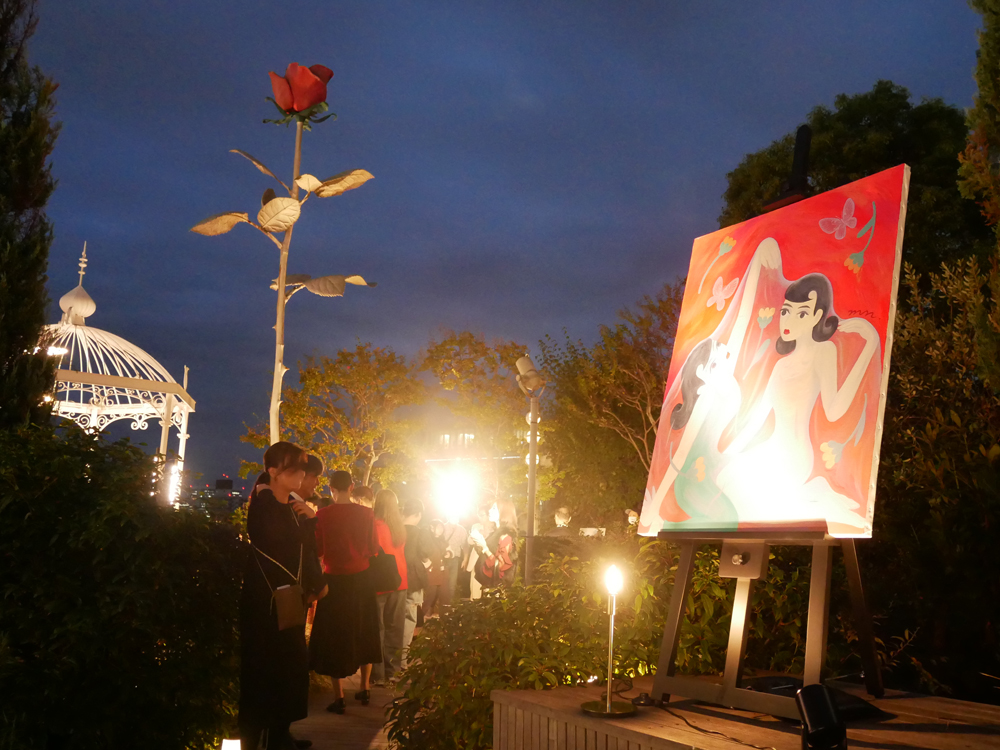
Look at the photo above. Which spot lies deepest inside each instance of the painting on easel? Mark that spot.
(772, 417)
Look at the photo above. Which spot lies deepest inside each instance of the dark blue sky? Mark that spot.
(537, 165)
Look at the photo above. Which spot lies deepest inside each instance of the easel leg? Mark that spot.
(862, 620)
(738, 631)
(675, 615)
(819, 613)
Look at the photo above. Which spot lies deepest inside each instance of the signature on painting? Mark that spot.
(862, 314)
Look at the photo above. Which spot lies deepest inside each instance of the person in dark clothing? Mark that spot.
(437, 576)
(562, 529)
(307, 494)
(418, 551)
(274, 672)
(345, 634)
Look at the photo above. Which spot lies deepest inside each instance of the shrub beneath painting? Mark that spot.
(118, 625)
(555, 633)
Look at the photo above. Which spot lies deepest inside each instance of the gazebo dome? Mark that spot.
(94, 351)
(102, 378)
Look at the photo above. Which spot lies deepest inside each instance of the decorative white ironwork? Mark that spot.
(102, 378)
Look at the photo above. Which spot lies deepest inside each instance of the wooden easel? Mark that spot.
(744, 557)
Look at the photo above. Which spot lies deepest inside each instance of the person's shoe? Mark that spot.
(364, 696)
(337, 707)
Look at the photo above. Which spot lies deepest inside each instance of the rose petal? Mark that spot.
(307, 89)
(322, 72)
(282, 92)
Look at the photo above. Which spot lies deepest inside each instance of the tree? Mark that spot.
(478, 380)
(864, 134)
(980, 180)
(350, 410)
(932, 567)
(605, 403)
(27, 136)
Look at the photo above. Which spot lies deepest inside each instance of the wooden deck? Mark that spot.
(360, 728)
(552, 720)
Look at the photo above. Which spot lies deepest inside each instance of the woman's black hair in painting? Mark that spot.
(690, 383)
(799, 292)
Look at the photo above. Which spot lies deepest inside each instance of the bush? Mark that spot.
(555, 633)
(119, 620)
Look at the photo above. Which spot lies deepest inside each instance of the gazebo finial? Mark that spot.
(83, 263)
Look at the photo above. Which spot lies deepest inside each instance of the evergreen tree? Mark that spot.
(980, 179)
(27, 136)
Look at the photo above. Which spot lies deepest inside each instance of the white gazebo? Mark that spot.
(102, 378)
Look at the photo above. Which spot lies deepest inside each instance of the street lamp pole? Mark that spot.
(532, 487)
(532, 384)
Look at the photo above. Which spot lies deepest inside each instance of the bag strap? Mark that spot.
(296, 577)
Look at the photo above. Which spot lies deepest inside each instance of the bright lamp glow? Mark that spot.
(57, 351)
(455, 492)
(230, 745)
(175, 479)
(613, 580)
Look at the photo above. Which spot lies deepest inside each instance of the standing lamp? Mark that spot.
(608, 708)
(532, 384)
(230, 745)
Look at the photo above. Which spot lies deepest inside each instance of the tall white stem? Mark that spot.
(279, 326)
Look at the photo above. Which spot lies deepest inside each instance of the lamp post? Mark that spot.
(613, 583)
(532, 384)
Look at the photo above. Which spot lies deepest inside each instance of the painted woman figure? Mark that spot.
(780, 466)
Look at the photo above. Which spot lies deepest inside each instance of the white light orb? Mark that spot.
(456, 491)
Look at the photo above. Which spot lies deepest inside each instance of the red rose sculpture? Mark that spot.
(301, 88)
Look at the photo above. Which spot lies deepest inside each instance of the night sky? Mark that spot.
(537, 165)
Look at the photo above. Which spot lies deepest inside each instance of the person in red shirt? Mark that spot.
(345, 634)
(391, 604)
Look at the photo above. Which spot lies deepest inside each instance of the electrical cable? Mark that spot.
(622, 685)
(714, 733)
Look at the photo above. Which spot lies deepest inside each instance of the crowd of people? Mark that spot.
(363, 569)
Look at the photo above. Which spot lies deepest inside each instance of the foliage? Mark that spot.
(979, 179)
(477, 378)
(604, 406)
(554, 633)
(349, 410)
(27, 136)
(864, 134)
(118, 625)
(932, 565)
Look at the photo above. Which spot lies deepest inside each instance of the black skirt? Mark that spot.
(345, 631)
(274, 677)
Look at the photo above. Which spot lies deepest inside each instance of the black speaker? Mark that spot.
(822, 727)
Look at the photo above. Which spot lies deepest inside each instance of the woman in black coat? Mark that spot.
(274, 672)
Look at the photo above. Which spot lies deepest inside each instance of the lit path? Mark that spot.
(361, 728)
